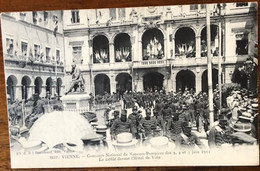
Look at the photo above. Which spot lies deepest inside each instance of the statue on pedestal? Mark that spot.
(78, 82)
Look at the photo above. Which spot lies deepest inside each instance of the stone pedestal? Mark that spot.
(78, 102)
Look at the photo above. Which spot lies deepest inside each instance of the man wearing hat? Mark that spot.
(135, 118)
(220, 134)
(166, 112)
(148, 124)
(121, 125)
(245, 121)
(185, 114)
(38, 111)
(188, 139)
(244, 131)
(106, 115)
(159, 120)
(174, 127)
(12, 112)
(19, 112)
(115, 116)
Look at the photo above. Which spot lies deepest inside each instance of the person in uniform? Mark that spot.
(135, 118)
(116, 116)
(174, 127)
(38, 111)
(19, 113)
(185, 115)
(106, 116)
(160, 127)
(121, 125)
(219, 135)
(188, 140)
(166, 113)
(147, 125)
(12, 113)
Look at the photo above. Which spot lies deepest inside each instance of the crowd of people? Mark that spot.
(175, 114)
(26, 112)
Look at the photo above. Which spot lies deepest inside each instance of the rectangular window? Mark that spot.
(242, 4)
(47, 53)
(241, 44)
(75, 17)
(45, 16)
(37, 52)
(58, 56)
(24, 47)
(203, 6)
(9, 46)
(194, 7)
(35, 16)
(112, 13)
(77, 52)
(22, 15)
(121, 13)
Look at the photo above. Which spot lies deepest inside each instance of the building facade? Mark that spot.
(125, 49)
(152, 48)
(33, 49)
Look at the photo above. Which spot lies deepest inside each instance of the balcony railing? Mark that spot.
(21, 62)
(175, 62)
(149, 63)
(203, 60)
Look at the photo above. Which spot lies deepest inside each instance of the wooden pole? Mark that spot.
(209, 62)
(220, 60)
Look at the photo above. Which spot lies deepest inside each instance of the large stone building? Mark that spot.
(33, 52)
(157, 47)
(136, 49)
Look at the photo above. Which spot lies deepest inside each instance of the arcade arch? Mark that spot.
(153, 44)
(102, 84)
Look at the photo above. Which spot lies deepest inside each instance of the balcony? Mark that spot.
(177, 62)
(203, 60)
(21, 63)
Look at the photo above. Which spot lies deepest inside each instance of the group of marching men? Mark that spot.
(175, 114)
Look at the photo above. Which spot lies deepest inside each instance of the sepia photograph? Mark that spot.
(136, 86)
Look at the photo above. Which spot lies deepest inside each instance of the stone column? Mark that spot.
(29, 91)
(18, 92)
(173, 47)
(168, 42)
(140, 86)
(139, 50)
(90, 45)
(43, 93)
(198, 83)
(165, 53)
(62, 90)
(32, 89)
(111, 53)
(198, 79)
(112, 84)
(198, 46)
(134, 43)
(173, 83)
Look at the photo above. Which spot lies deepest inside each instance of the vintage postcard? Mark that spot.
(141, 86)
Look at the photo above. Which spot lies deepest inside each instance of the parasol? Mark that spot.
(61, 127)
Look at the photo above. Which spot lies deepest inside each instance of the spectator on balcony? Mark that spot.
(203, 48)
